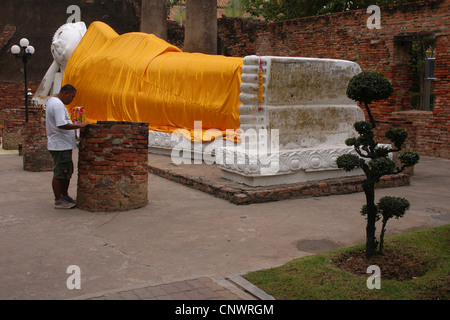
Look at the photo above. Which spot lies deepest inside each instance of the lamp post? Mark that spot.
(429, 76)
(27, 52)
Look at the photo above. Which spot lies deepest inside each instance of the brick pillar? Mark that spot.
(14, 123)
(113, 166)
(34, 147)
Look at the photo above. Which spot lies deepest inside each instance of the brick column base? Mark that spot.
(14, 123)
(113, 166)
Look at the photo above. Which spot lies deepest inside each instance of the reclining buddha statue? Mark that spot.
(299, 104)
(139, 77)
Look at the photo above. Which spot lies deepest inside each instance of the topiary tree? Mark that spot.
(373, 159)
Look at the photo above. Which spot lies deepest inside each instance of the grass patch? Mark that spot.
(318, 277)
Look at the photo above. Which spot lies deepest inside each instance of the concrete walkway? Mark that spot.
(185, 244)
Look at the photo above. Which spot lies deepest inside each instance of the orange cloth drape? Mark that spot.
(139, 77)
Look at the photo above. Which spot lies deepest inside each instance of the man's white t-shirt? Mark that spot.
(57, 115)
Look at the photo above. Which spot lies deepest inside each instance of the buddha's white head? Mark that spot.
(65, 40)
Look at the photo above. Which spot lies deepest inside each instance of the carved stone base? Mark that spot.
(247, 167)
(284, 167)
(183, 150)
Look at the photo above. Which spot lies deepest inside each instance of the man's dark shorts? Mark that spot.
(62, 164)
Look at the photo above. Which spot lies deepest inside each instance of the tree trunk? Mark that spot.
(371, 241)
(372, 120)
(201, 26)
(383, 230)
(154, 18)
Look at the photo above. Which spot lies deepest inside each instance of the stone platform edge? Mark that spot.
(243, 195)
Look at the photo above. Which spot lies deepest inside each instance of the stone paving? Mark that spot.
(204, 288)
(185, 244)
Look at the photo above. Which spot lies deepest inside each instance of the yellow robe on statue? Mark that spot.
(139, 77)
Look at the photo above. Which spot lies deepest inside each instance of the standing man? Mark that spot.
(61, 142)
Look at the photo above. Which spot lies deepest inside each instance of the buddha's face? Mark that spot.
(65, 41)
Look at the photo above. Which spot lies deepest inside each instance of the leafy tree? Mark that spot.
(365, 88)
(276, 10)
(390, 207)
(234, 8)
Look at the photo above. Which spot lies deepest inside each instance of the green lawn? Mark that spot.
(315, 277)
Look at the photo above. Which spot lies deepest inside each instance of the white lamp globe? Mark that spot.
(24, 42)
(15, 49)
(30, 50)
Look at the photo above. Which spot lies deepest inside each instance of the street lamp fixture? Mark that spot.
(28, 51)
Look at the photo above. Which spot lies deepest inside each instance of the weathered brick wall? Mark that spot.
(12, 96)
(386, 50)
(7, 34)
(427, 132)
(25, 18)
(122, 15)
(34, 147)
(346, 36)
(13, 125)
(113, 166)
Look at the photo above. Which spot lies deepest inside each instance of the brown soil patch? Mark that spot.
(393, 265)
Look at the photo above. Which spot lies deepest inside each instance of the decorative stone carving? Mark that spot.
(283, 167)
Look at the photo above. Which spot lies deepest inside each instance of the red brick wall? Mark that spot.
(12, 96)
(346, 36)
(34, 147)
(13, 125)
(7, 34)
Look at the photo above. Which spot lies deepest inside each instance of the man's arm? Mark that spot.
(73, 126)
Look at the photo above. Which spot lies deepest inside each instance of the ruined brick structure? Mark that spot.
(34, 147)
(340, 36)
(387, 50)
(14, 124)
(122, 15)
(113, 166)
(11, 97)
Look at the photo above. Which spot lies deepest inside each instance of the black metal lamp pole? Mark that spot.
(24, 59)
(27, 52)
